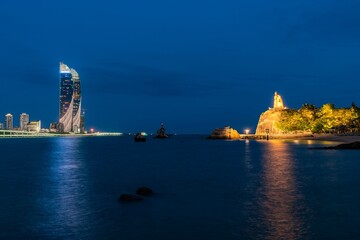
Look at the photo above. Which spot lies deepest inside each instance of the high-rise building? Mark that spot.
(1, 126)
(24, 120)
(76, 124)
(9, 121)
(82, 123)
(70, 99)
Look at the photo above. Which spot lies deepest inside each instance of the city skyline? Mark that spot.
(192, 66)
(216, 119)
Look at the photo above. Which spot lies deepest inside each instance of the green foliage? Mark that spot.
(324, 119)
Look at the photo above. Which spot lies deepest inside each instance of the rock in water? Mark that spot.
(224, 133)
(129, 198)
(144, 191)
(353, 145)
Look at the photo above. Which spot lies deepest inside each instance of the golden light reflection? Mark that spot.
(280, 195)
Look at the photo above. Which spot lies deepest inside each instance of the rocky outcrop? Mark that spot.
(268, 120)
(353, 145)
(224, 133)
(130, 198)
(140, 193)
(144, 191)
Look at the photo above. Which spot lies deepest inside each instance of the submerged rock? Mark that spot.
(353, 145)
(129, 198)
(144, 191)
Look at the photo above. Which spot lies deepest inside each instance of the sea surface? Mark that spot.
(68, 188)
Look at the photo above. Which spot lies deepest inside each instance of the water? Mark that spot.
(67, 188)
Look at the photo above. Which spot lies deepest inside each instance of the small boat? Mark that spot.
(161, 133)
(140, 137)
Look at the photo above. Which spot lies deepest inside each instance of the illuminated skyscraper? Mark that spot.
(24, 120)
(8, 121)
(77, 102)
(70, 99)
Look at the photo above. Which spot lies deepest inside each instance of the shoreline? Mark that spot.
(329, 137)
(15, 134)
(334, 138)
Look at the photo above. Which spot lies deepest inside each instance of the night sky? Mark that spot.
(194, 65)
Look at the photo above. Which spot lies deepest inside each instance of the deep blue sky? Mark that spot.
(194, 65)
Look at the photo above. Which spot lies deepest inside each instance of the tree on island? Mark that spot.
(319, 120)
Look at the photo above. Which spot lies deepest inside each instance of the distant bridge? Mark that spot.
(26, 134)
(16, 133)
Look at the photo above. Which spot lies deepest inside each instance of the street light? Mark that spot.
(247, 131)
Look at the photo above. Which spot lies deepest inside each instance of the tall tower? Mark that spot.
(77, 101)
(9, 122)
(82, 122)
(24, 120)
(70, 99)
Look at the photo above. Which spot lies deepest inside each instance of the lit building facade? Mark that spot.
(76, 124)
(70, 99)
(24, 120)
(34, 126)
(9, 122)
(82, 122)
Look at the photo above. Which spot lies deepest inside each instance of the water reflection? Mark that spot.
(247, 159)
(66, 202)
(280, 200)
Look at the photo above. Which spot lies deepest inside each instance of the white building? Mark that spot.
(9, 122)
(24, 120)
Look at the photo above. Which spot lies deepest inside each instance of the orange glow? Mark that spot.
(280, 192)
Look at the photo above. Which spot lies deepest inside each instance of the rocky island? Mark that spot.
(224, 133)
(282, 122)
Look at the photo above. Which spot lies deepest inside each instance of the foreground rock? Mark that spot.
(130, 198)
(144, 191)
(353, 145)
(224, 133)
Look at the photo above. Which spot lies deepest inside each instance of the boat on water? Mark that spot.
(140, 137)
(161, 132)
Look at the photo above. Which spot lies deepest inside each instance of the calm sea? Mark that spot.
(68, 188)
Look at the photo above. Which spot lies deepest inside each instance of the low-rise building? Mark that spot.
(34, 126)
